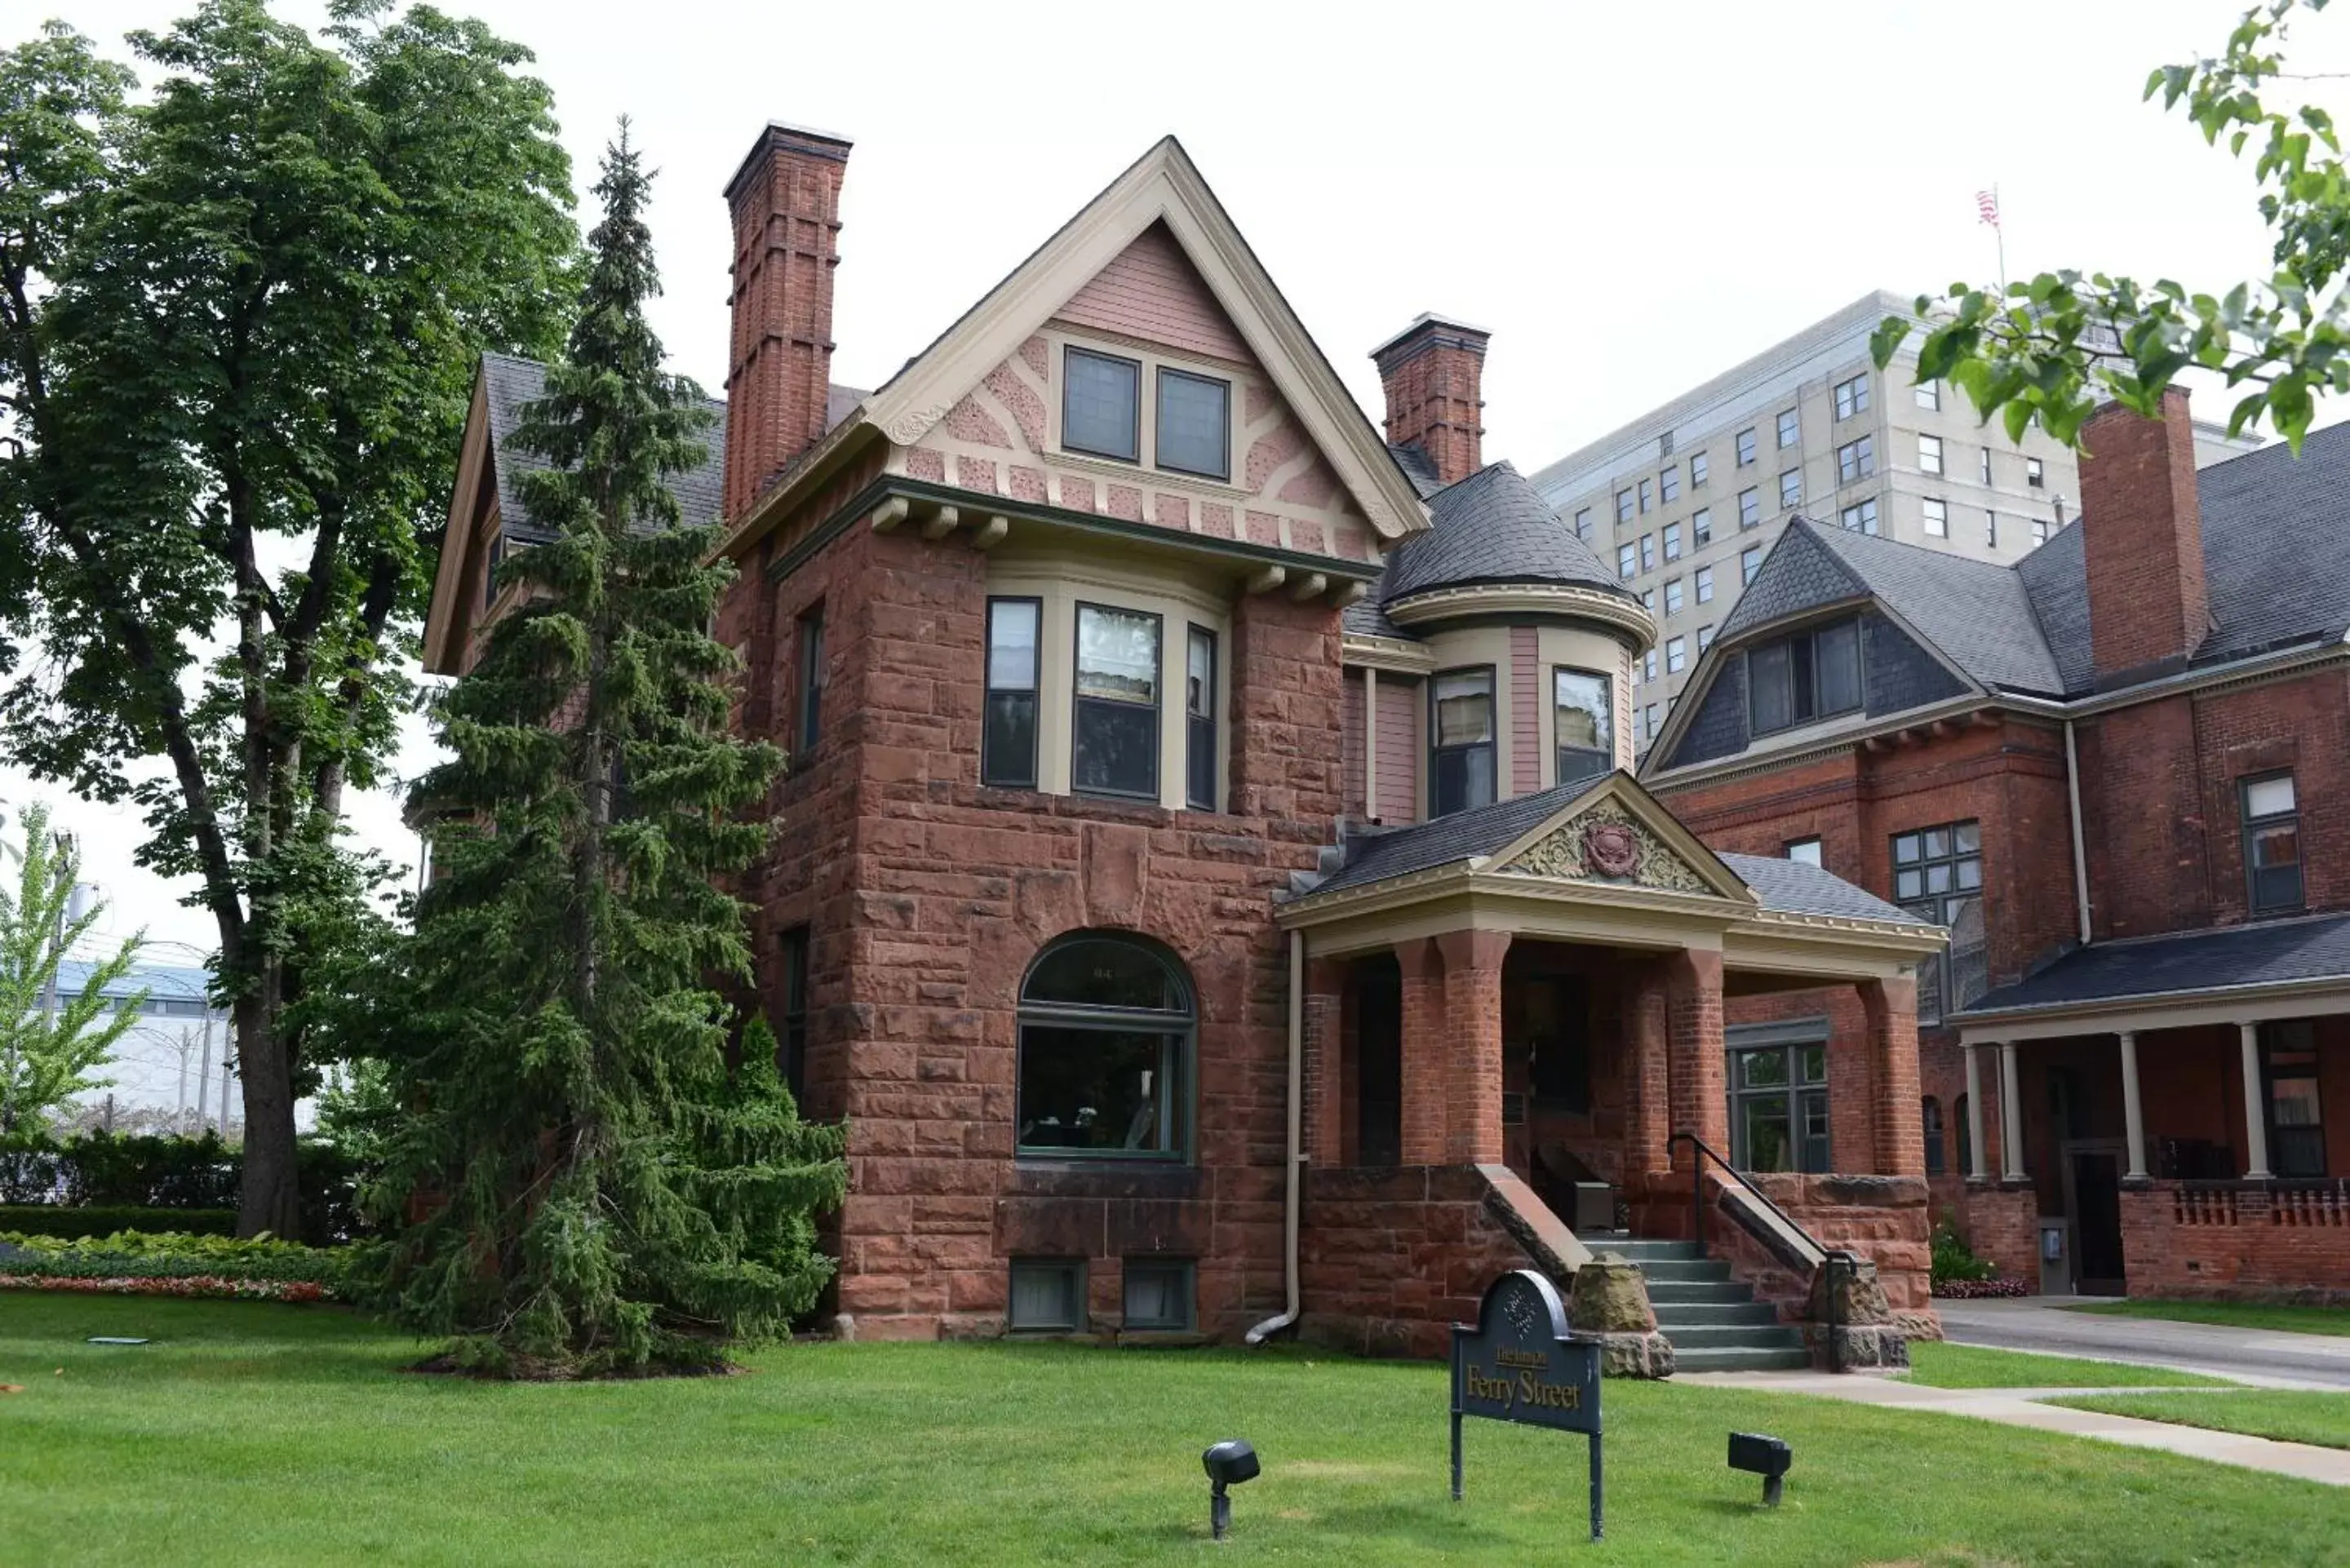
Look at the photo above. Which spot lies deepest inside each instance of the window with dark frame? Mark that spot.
(1697, 469)
(1101, 405)
(1790, 489)
(1938, 875)
(1929, 1114)
(1929, 453)
(1811, 675)
(2296, 1123)
(1676, 653)
(1583, 722)
(1623, 506)
(1749, 507)
(1672, 541)
(1648, 552)
(1672, 596)
(1048, 1295)
(812, 680)
(1199, 722)
(1007, 746)
(1460, 740)
(1668, 485)
(1791, 428)
(1702, 525)
(1583, 523)
(2271, 819)
(1195, 424)
(1704, 585)
(791, 1039)
(1628, 560)
(1750, 562)
(1852, 397)
(1158, 1294)
(1856, 459)
(1107, 1032)
(1647, 494)
(1114, 739)
(1929, 395)
(1779, 1108)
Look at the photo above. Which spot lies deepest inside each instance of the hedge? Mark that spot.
(180, 1174)
(105, 1220)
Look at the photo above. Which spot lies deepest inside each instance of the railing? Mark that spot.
(2300, 1203)
(1829, 1257)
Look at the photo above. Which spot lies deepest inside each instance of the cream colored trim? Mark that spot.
(1371, 742)
(1386, 653)
(1637, 804)
(1594, 653)
(457, 543)
(1151, 358)
(2141, 1015)
(1160, 186)
(1526, 598)
(1474, 648)
(1812, 742)
(1061, 578)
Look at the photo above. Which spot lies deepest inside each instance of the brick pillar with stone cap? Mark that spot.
(1693, 1002)
(1473, 1065)
(1897, 1117)
(1648, 1092)
(1423, 1141)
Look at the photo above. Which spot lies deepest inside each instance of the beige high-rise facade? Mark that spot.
(1687, 499)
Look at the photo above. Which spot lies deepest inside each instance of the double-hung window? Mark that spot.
(1101, 405)
(1648, 552)
(1007, 746)
(1460, 735)
(1696, 469)
(1114, 742)
(1856, 459)
(1929, 453)
(1701, 526)
(1627, 560)
(1583, 718)
(1937, 515)
(1583, 523)
(1623, 506)
(2271, 819)
(811, 682)
(1852, 397)
(1750, 508)
(1790, 489)
(1647, 494)
(1672, 541)
(1669, 483)
(1791, 429)
(2034, 476)
(1676, 655)
(1745, 448)
(1750, 561)
(1705, 584)
(1779, 1108)
(1199, 722)
(1929, 395)
(1813, 674)
(791, 1040)
(1672, 596)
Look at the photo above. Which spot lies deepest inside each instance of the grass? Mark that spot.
(252, 1433)
(2229, 1315)
(2290, 1415)
(1941, 1365)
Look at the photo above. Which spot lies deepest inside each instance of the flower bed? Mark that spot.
(131, 1262)
(193, 1286)
(1979, 1289)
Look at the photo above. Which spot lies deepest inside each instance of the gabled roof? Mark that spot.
(1162, 186)
(509, 382)
(1491, 527)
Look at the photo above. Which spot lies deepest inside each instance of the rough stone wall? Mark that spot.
(1392, 1257)
(2253, 1244)
(927, 898)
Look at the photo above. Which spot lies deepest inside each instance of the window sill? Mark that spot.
(1042, 1176)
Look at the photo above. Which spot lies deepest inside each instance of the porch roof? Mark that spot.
(2172, 979)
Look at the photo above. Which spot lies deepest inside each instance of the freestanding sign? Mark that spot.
(1519, 1362)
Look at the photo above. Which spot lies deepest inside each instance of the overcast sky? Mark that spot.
(1632, 197)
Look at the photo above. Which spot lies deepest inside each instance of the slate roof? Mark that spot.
(1418, 468)
(511, 382)
(1785, 887)
(2271, 952)
(1491, 527)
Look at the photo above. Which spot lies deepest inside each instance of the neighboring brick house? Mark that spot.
(2119, 770)
(1207, 879)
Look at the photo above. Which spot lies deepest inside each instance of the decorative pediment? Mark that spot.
(1605, 844)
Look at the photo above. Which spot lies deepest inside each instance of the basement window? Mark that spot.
(1048, 1295)
(1158, 1294)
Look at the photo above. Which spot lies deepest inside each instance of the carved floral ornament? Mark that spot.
(1607, 845)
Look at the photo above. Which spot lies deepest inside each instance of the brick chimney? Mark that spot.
(1434, 371)
(786, 200)
(2143, 539)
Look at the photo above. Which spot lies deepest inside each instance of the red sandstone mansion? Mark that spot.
(1211, 885)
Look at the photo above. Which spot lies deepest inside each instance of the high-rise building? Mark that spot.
(1687, 499)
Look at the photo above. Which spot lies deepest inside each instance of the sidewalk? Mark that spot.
(2016, 1408)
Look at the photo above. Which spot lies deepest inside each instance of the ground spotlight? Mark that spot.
(1227, 1463)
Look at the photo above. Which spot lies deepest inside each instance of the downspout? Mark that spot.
(2080, 851)
(1290, 1195)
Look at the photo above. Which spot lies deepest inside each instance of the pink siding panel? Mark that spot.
(1152, 291)
(1352, 714)
(1399, 749)
(1525, 712)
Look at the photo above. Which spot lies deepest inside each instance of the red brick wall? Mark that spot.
(1433, 376)
(785, 202)
(928, 896)
(2142, 534)
(2252, 1244)
(2003, 1225)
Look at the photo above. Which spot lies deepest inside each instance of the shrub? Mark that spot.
(168, 1255)
(1954, 1261)
(60, 1220)
(147, 1171)
(1979, 1289)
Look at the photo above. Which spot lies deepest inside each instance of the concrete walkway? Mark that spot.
(2265, 1358)
(2017, 1407)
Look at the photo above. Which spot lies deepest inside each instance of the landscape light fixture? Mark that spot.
(1227, 1463)
(1766, 1457)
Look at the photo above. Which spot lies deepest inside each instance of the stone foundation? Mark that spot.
(1392, 1257)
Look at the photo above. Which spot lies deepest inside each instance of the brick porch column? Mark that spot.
(1700, 1102)
(1472, 1066)
(1891, 1008)
(1325, 1116)
(1423, 1051)
(1648, 1077)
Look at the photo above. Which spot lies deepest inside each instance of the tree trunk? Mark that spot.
(270, 1197)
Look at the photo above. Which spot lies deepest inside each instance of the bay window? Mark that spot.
(1460, 735)
(1199, 722)
(1113, 733)
(1584, 721)
(1007, 747)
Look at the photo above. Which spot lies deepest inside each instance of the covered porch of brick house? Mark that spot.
(2196, 1146)
(1497, 1057)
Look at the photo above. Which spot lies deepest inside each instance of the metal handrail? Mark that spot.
(1702, 1152)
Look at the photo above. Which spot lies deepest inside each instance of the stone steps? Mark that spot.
(1714, 1321)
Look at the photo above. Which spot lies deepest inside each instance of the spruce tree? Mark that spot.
(591, 1177)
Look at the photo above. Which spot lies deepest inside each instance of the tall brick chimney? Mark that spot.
(785, 199)
(2143, 538)
(1434, 371)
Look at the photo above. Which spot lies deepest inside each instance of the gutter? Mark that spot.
(1291, 1194)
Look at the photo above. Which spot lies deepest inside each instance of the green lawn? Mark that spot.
(1941, 1365)
(258, 1434)
(2290, 1415)
(2231, 1315)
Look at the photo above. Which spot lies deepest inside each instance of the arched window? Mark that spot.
(1106, 1032)
(1931, 1113)
(1966, 1142)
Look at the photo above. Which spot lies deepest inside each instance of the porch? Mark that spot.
(2168, 1117)
(1522, 1008)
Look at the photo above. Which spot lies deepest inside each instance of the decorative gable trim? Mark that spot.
(1618, 835)
(477, 466)
(1162, 186)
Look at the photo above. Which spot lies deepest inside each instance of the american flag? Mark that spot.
(1987, 206)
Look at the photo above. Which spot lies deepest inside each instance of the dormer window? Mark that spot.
(1191, 429)
(1102, 406)
(1813, 674)
(1195, 424)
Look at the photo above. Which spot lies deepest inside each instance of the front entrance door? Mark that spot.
(2093, 1202)
(1378, 1066)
